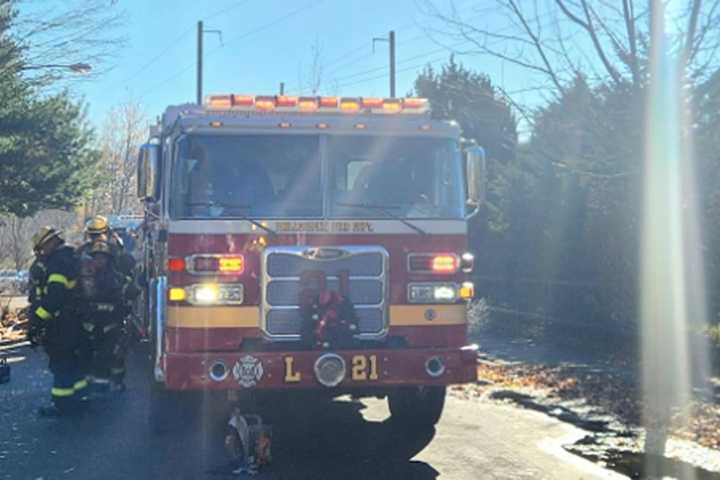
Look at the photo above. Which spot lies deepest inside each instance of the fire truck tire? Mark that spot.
(417, 406)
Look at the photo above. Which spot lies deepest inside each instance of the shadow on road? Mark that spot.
(312, 438)
(331, 439)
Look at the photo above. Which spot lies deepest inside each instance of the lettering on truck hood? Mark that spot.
(377, 227)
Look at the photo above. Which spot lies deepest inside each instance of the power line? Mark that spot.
(410, 59)
(233, 39)
(271, 24)
(385, 67)
(343, 59)
(177, 39)
(225, 10)
(377, 77)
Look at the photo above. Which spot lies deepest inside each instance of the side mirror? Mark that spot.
(148, 173)
(475, 175)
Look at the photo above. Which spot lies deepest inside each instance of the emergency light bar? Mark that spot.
(348, 105)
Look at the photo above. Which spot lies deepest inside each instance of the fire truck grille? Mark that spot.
(366, 267)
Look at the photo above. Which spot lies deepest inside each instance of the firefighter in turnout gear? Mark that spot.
(98, 228)
(102, 246)
(36, 278)
(102, 298)
(54, 320)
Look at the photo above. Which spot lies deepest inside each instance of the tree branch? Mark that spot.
(628, 17)
(588, 26)
(538, 46)
(691, 29)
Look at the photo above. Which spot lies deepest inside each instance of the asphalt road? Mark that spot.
(343, 439)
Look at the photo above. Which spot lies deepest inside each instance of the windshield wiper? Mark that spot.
(386, 212)
(241, 217)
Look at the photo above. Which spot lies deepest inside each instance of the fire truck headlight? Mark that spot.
(216, 294)
(432, 292)
(206, 294)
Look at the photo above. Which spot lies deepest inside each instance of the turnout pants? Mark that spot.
(106, 341)
(69, 381)
(110, 353)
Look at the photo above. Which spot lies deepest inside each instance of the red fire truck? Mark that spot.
(315, 243)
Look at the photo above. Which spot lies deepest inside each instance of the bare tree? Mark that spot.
(16, 234)
(56, 35)
(558, 39)
(123, 132)
(313, 80)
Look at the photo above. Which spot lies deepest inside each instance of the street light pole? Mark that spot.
(200, 32)
(199, 62)
(391, 37)
(391, 43)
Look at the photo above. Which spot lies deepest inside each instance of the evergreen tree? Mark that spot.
(468, 97)
(45, 142)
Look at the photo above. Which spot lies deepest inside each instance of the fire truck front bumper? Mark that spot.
(345, 370)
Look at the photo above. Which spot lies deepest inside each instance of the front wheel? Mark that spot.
(417, 406)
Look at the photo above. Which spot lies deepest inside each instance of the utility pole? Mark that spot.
(199, 61)
(391, 41)
(391, 37)
(200, 32)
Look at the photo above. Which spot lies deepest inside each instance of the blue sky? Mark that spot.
(269, 41)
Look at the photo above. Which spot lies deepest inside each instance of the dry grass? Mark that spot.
(616, 394)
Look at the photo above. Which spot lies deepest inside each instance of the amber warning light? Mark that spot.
(344, 105)
(208, 264)
(440, 263)
(221, 264)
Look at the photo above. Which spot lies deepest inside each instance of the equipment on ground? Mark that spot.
(4, 369)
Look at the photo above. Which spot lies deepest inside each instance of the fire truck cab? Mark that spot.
(309, 243)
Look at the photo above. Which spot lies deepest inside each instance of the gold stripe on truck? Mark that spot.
(427, 315)
(203, 317)
(249, 316)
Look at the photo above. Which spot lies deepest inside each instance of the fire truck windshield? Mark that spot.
(280, 176)
(248, 176)
(407, 177)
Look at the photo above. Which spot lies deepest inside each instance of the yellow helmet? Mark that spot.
(97, 225)
(43, 236)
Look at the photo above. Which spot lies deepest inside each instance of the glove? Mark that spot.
(35, 332)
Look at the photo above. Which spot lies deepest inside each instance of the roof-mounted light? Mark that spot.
(219, 101)
(391, 105)
(371, 103)
(348, 105)
(329, 102)
(415, 105)
(243, 100)
(286, 102)
(265, 104)
(307, 104)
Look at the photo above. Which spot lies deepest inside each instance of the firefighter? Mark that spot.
(54, 322)
(36, 278)
(103, 312)
(97, 229)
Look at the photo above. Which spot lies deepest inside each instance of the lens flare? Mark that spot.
(672, 285)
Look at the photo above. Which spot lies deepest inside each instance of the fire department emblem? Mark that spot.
(248, 371)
